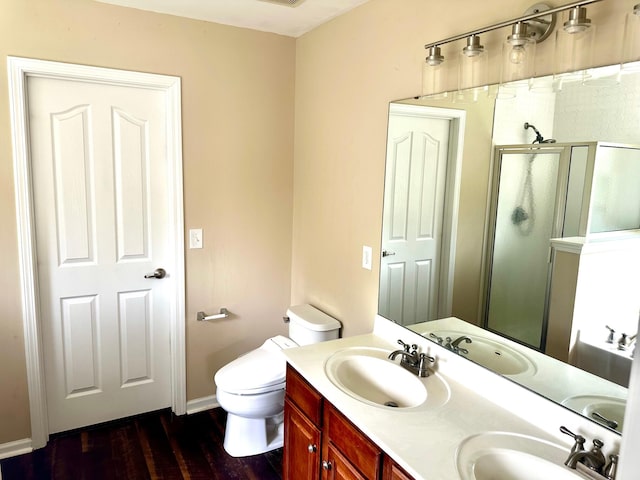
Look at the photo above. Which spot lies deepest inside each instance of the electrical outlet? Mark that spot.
(367, 254)
(195, 238)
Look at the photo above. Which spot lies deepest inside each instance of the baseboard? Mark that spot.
(18, 447)
(201, 404)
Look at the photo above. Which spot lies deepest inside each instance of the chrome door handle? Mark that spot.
(158, 273)
(387, 253)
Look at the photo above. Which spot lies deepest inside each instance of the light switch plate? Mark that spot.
(367, 253)
(195, 238)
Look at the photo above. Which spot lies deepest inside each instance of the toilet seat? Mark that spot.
(258, 371)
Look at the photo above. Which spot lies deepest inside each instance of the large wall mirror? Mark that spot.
(511, 231)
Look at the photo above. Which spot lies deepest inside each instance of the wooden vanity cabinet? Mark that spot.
(364, 457)
(392, 471)
(302, 429)
(321, 443)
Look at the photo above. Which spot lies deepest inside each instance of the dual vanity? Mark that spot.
(353, 413)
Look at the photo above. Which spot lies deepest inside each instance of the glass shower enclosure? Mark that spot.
(540, 192)
(526, 211)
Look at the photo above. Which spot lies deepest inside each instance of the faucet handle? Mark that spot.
(423, 370)
(436, 337)
(597, 444)
(579, 439)
(609, 471)
(405, 346)
(424, 356)
(611, 333)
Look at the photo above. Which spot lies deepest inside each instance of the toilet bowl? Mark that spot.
(251, 388)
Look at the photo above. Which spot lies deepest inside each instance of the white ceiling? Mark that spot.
(254, 14)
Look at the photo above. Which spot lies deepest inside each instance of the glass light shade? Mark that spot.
(517, 63)
(473, 66)
(631, 41)
(434, 79)
(573, 54)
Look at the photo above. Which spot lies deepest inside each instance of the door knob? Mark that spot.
(158, 273)
(312, 448)
(326, 465)
(387, 253)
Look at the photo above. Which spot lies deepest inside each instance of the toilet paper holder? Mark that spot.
(203, 317)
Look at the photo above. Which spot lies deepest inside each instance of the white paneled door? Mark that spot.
(414, 200)
(100, 179)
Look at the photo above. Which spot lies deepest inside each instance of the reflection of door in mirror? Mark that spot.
(527, 212)
(414, 202)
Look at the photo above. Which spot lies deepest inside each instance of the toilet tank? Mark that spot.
(309, 325)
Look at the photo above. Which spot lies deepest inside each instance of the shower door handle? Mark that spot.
(387, 253)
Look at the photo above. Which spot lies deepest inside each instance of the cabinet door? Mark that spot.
(354, 445)
(337, 467)
(301, 457)
(392, 471)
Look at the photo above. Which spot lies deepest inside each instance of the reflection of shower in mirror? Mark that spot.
(521, 214)
(539, 137)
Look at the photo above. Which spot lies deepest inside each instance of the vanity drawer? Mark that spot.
(352, 443)
(304, 396)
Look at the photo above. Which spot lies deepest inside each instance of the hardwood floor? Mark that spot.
(153, 446)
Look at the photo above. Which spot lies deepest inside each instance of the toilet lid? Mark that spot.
(260, 370)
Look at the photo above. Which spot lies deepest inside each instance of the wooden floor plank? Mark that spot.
(148, 447)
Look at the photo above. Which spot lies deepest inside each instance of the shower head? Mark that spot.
(539, 138)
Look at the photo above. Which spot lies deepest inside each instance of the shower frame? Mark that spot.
(572, 211)
(499, 154)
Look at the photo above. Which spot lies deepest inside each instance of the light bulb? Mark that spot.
(518, 54)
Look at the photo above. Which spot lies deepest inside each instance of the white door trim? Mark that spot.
(19, 69)
(452, 193)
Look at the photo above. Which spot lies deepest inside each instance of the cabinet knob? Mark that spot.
(312, 448)
(326, 465)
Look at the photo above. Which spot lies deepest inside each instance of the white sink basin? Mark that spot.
(510, 456)
(611, 408)
(369, 376)
(493, 355)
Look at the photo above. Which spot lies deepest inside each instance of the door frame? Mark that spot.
(19, 70)
(457, 119)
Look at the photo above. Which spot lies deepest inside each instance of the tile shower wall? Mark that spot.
(583, 112)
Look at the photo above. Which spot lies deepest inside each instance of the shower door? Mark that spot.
(526, 211)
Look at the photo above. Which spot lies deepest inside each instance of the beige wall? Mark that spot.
(237, 107)
(347, 71)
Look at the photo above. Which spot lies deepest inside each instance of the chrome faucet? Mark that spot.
(411, 360)
(454, 345)
(593, 459)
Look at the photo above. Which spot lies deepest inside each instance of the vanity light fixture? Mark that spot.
(473, 48)
(435, 56)
(574, 47)
(536, 24)
(473, 69)
(578, 21)
(520, 41)
(518, 57)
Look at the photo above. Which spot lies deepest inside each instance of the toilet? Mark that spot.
(251, 388)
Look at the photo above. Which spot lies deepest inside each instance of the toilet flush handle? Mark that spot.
(286, 319)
